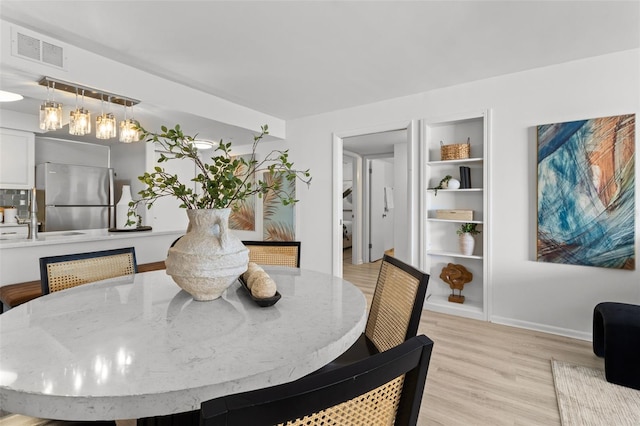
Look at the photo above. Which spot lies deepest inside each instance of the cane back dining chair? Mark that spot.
(395, 311)
(382, 389)
(71, 270)
(278, 253)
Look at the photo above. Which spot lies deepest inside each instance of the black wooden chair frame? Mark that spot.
(364, 347)
(312, 394)
(418, 303)
(44, 261)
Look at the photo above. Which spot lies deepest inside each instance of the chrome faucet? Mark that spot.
(33, 217)
(32, 221)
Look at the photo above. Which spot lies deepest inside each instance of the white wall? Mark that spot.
(550, 297)
(401, 226)
(70, 152)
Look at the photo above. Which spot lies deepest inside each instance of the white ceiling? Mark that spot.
(291, 59)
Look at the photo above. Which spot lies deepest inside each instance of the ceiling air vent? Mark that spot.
(52, 54)
(30, 46)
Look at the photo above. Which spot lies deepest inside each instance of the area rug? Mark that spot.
(585, 398)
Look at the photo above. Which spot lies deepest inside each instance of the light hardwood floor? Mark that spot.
(483, 373)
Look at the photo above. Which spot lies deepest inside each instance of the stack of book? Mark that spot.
(465, 177)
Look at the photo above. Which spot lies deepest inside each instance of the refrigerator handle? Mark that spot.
(112, 203)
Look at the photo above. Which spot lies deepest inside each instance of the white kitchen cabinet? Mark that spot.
(17, 159)
(439, 244)
(13, 232)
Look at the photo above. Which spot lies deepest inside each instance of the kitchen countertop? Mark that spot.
(12, 224)
(85, 235)
(19, 257)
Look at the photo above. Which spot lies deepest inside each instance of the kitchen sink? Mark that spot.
(43, 236)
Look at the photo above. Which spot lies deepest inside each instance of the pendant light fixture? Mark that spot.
(128, 128)
(51, 112)
(105, 124)
(80, 119)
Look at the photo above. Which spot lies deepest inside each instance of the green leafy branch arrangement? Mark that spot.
(222, 182)
(441, 184)
(468, 228)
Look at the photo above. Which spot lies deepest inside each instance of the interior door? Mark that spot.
(377, 215)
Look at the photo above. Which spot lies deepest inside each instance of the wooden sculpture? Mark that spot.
(456, 276)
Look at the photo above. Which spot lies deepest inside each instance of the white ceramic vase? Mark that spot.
(467, 243)
(209, 258)
(122, 209)
(453, 184)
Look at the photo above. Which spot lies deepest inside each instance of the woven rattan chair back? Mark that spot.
(382, 389)
(397, 303)
(278, 253)
(66, 271)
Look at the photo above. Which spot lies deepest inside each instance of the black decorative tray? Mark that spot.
(138, 229)
(264, 302)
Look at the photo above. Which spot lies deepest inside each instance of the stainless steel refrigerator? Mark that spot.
(74, 197)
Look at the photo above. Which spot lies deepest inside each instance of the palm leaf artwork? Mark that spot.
(243, 213)
(278, 231)
(278, 218)
(243, 216)
(270, 201)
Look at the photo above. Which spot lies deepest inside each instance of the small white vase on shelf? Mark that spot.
(453, 184)
(122, 209)
(467, 243)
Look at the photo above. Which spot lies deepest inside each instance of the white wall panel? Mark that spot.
(549, 297)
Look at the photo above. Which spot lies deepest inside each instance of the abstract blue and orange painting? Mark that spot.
(586, 192)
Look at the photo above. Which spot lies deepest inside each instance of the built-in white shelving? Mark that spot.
(439, 240)
(449, 163)
(458, 191)
(452, 254)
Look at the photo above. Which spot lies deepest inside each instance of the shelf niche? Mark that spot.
(439, 243)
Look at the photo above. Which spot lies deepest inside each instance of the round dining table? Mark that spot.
(138, 346)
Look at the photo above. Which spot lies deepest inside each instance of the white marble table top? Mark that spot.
(139, 346)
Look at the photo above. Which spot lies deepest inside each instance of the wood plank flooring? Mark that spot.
(483, 373)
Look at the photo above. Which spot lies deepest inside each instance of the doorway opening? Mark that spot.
(368, 223)
(385, 197)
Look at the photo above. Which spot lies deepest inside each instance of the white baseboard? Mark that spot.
(580, 335)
